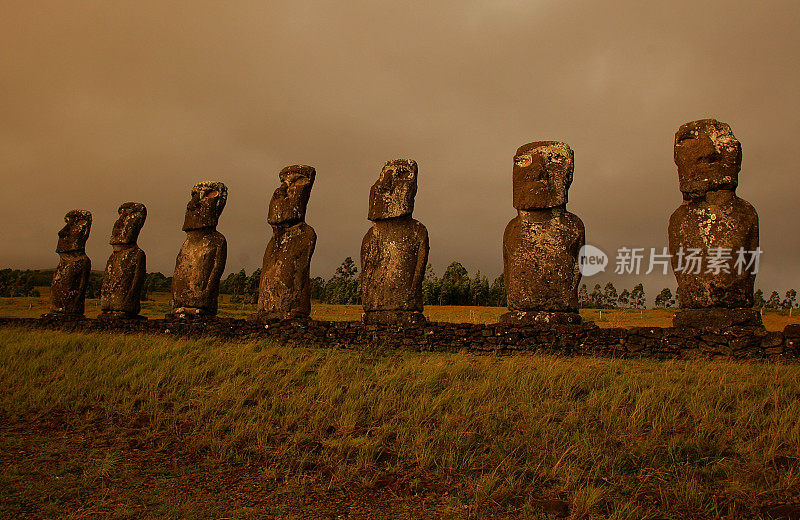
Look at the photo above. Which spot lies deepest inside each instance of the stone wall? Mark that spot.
(586, 339)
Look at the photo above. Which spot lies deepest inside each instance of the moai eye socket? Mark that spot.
(523, 160)
(689, 134)
(212, 193)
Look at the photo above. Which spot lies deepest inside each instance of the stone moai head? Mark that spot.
(131, 219)
(542, 175)
(393, 193)
(72, 237)
(289, 202)
(206, 205)
(708, 156)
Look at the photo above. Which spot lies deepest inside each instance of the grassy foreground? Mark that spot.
(158, 305)
(135, 426)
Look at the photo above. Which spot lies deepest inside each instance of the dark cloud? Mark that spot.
(107, 102)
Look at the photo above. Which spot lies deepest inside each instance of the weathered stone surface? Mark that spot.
(521, 318)
(201, 260)
(394, 251)
(400, 317)
(284, 290)
(792, 330)
(717, 318)
(712, 223)
(585, 339)
(541, 245)
(68, 289)
(123, 279)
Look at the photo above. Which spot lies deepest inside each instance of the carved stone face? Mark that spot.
(708, 156)
(289, 202)
(130, 222)
(542, 175)
(73, 236)
(393, 194)
(203, 210)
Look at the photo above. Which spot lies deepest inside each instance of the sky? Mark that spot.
(106, 102)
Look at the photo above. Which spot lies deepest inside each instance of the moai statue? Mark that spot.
(201, 260)
(121, 292)
(68, 290)
(394, 251)
(541, 245)
(713, 235)
(284, 291)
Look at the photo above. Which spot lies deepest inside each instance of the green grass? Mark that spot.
(480, 436)
(158, 305)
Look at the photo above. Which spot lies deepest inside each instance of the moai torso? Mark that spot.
(284, 290)
(732, 225)
(123, 279)
(541, 262)
(68, 290)
(69, 284)
(712, 223)
(285, 287)
(201, 260)
(394, 254)
(541, 245)
(198, 270)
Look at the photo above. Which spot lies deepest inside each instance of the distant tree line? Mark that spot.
(789, 301)
(608, 298)
(17, 283)
(455, 287)
(155, 283)
(241, 287)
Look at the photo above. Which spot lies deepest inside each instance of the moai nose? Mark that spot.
(707, 150)
(539, 168)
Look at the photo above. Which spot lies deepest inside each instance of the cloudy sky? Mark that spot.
(104, 102)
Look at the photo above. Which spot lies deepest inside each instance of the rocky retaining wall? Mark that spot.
(586, 339)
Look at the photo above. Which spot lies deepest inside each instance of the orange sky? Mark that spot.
(104, 102)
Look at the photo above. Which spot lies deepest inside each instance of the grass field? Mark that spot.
(158, 306)
(104, 426)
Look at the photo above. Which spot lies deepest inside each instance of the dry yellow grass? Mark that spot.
(592, 438)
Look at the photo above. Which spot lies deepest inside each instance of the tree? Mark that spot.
(17, 283)
(343, 287)
(758, 299)
(583, 297)
(610, 297)
(479, 290)
(638, 300)
(497, 292)
(456, 274)
(596, 297)
(317, 288)
(347, 270)
(431, 286)
(664, 299)
(235, 285)
(774, 301)
(624, 298)
(455, 286)
(251, 287)
(790, 300)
